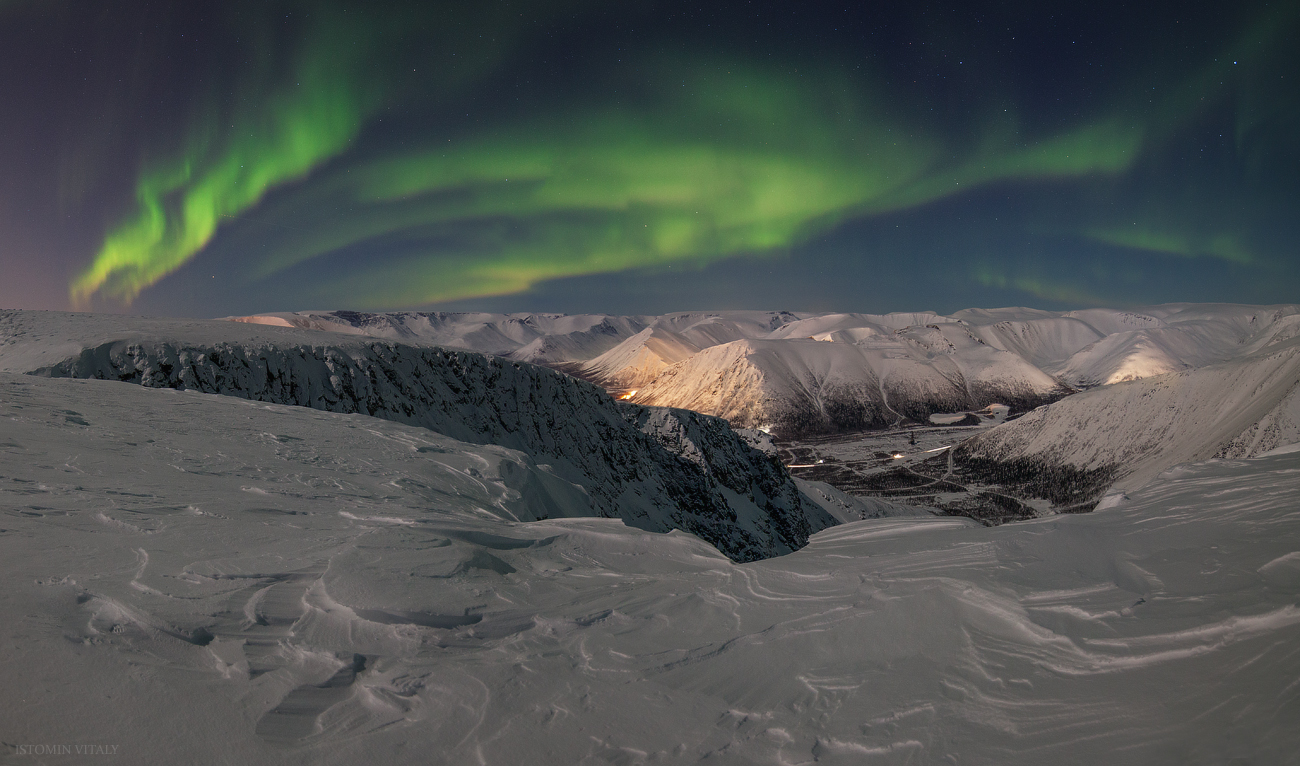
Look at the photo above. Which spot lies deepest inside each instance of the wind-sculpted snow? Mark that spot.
(209, 579)
(657, 470)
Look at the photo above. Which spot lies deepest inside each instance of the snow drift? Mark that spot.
(210, 579)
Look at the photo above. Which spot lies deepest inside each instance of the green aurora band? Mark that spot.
(736, 161)
(284, 134)
(729, 159)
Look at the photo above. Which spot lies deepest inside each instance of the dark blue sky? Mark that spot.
(207, 159)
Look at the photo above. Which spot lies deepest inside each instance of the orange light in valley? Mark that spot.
(629, 394)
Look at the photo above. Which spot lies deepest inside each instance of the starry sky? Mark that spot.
(206, 158)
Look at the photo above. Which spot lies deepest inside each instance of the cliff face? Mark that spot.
(657, 469)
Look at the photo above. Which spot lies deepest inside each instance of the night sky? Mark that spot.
(213, 158)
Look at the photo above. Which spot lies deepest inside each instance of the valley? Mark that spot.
(915, 467)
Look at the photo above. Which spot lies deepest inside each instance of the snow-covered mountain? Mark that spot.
(538, 338)
(657, 469)
(760, 370)
(637, 361)
(794, 385)
(1104, 346)
(1065, 456)
(1130, 432)
(211, 579)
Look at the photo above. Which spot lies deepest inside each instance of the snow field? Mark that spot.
(204, 578)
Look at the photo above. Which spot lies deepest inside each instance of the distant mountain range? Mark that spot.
(796, 373)
(1132, 393)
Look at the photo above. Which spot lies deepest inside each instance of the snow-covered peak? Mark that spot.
(639, 359)
(1110, 321)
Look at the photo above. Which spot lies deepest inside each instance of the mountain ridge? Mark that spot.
(1016, 356)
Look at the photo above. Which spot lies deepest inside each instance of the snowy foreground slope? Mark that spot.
(206, 579)
(588, 455)
(808, 373)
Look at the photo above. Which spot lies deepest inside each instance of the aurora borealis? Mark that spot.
(222, 158)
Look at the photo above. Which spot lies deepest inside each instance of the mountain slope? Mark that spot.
(1136, 429)
(1041, 342)
(639, 359)
(799, 386)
